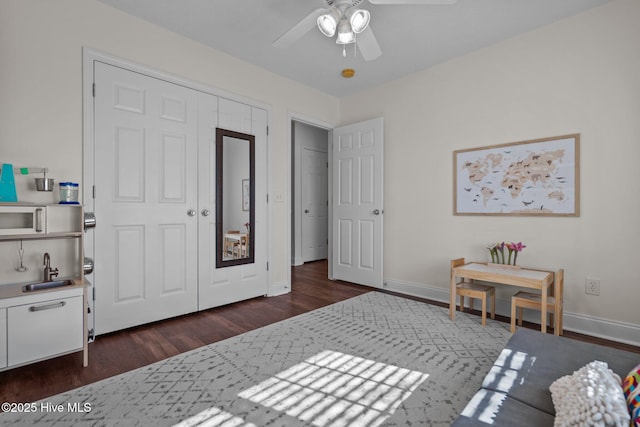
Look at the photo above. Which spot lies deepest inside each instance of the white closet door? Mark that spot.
(219, 286)
(146, 177)
(208, 111)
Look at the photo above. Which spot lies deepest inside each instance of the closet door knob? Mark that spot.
(205, 212)
(191, 212)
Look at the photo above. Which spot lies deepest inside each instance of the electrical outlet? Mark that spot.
(591, 286)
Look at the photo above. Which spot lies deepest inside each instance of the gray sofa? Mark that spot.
(515, 392)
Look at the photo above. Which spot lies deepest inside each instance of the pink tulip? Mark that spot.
(518, 247)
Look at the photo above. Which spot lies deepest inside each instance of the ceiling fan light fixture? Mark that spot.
(328, 22)
(359, 19)
(345, 35)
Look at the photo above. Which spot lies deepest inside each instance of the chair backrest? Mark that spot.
(558, 284)
(233, 232)
(456, 263)
(244, 245)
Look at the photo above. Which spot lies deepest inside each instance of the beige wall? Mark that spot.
(580, 75)
(41, 45)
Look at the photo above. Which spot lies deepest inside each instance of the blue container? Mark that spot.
(69, 193)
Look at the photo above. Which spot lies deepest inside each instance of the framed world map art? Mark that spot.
(540, 177)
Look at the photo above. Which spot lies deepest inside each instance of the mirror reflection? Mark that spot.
(235, 198)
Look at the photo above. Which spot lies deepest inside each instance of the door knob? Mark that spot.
(376, 212)
(191, 212)
(205, 212)
(306, 211)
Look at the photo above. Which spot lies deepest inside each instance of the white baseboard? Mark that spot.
(603, 328)
(589, 325)
(417, 290)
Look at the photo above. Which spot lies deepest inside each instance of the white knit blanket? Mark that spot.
(592, 396)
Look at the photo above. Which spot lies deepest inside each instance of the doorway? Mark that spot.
(355, 190)
(310, 192)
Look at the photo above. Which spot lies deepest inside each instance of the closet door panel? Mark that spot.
(146, 180)
(219, 286)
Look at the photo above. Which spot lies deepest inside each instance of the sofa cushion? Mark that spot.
(492, 408)
(538, 359)
(516, 389)
(592, 395)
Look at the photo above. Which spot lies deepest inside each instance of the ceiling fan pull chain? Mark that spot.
(344, 50)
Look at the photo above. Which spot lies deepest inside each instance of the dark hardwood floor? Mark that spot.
(122, 351)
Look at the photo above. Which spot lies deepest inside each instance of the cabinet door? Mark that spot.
(43, 329)
(3, 338)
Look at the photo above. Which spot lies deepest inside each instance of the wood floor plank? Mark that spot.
(122, 351)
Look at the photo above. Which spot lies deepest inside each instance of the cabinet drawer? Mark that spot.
(43, 329)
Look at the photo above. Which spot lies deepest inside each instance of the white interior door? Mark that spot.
(218, 286)
(146, 198)
(314, 205)
(357, 201)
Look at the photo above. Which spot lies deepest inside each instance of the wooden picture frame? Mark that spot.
(539, 177)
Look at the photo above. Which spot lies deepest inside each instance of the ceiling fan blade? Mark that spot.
(299, 30)
(427, 2)
(368, 45)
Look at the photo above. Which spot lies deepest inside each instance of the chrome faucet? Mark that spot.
(48, 271)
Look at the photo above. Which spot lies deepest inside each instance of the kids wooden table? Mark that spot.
(521, 277)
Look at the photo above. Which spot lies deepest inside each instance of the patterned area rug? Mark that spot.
(375, 359)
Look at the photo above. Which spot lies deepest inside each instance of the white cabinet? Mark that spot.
(44, 328)
(3, 338)
(48, 321)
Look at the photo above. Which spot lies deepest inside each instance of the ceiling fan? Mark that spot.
(350, 22)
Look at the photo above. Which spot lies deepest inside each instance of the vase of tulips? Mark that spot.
(498, 256)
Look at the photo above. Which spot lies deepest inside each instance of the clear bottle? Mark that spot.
(69, 193)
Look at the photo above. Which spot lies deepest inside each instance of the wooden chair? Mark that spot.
(474, 290)
(532, 300)
(242, 247)
(230, 245)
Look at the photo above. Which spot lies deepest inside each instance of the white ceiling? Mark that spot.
(411, 37)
